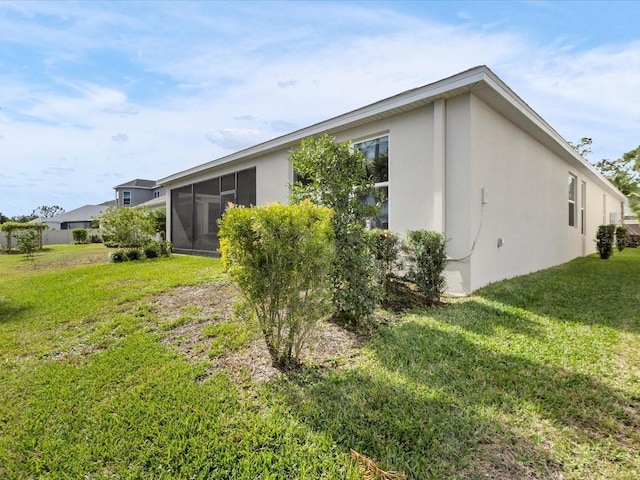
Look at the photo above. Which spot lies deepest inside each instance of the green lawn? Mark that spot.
(535, 377)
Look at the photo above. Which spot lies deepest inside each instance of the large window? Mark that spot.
(126, 198)
(196, 209)
(376, 151)
(572, 200)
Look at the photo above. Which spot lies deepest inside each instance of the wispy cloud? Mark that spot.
(236, 138)
(191, 81)
(120, 138)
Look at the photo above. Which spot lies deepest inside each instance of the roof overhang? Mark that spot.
(480, 81)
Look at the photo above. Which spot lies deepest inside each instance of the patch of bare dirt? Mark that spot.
(185, 311)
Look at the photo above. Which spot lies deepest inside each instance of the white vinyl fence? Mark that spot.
(49, 237)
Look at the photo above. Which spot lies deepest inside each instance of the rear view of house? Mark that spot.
(464, 156)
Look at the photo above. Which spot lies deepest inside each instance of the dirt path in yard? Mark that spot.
(185, 311)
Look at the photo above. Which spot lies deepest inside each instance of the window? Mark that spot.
(572, 200)
(376, 152)
(126, 198)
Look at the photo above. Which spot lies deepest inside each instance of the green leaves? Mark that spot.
(128, 227)
(280, 256)
(335, 175)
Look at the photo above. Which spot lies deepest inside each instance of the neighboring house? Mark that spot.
(139, 192)
(466, 157)
(61, 226)
(79, 218)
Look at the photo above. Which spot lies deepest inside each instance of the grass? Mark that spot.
(534, 377)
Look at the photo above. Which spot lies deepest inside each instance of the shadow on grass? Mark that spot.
(486, 317)
(586, 290)
(9, 311)
(440, 406)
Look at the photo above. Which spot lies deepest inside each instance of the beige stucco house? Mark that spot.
(466, 157)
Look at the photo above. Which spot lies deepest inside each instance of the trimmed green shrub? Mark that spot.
(426, 259)
(152, 249)
(133, 254)
(280, 257)
(117, 256)
(622, 238)
(604, 240)
(79, 235)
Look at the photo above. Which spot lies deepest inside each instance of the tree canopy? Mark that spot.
(624, 173)
(47, 211)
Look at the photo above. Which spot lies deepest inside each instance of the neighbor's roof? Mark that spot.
(82, 214)
(138, 183)
(480, 81)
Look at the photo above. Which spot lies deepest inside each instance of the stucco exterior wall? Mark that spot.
(526, 189)
(493, 177)
(410, 165)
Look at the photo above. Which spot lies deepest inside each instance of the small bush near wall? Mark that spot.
(604, 240)
(79, 235)
(622, 238)
(426, 259)
(152, 249)
(117, 256)
(387, 250)
(133, 254)
(280, 256)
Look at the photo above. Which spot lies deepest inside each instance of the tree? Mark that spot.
(27, 242)
(159, 217)
(335, 175)
(129, 228)
(624, 173)
(46, 211)
(22, 218)
(583, 147)
(3, 218)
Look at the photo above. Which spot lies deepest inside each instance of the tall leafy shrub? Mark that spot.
(27, 242)
(604, 240)
(128, 228)
(426, 259)
(335, 175)
(387, 251)
(622, 238)
(280, 256)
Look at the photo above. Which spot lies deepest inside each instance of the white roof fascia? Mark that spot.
(424, 94)
(478, 80)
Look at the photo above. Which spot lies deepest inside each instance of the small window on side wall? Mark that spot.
(126, 198)
(572, 201)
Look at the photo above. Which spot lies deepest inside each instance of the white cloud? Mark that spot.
(189, 95)
(120, 137)
(237, 138)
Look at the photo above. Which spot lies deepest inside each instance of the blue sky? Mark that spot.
(93, 94)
